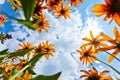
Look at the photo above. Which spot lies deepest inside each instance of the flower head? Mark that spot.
(46, 48)
(39, 8)
(111, 9)
(63, 11)
(93, 75)
(53, 4)
(87, 56)
(115, 44)
(42, 24)
(2, 19)
(95, 42)
(75, 2)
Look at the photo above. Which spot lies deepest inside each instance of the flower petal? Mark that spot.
(117, 18)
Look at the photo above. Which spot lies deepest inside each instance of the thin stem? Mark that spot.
(13, 77)
(113, 56)
(109, 66)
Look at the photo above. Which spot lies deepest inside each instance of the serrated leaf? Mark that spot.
(4, 52)
(28, 7)
(43, 77)
(29, 24)
(20, 53)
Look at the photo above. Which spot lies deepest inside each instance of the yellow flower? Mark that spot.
(75, 2)
(87, 56)
(115, 44)
(93, 75)
(53, 4)
(42, 24)
(95, 42)
(25, 45)
(63, 11)
(2, 19)
(111, 9)
(27, 76)
(46, 48)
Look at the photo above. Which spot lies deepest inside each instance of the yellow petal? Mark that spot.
(106, 37)
(103, 73)
(91, 35)
(115, 31)
(117, 18)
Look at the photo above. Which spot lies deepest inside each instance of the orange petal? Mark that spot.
(115, 31)
(103, 73)
(108, 1)
(117, 18)
(110, 59)
(91, 35)
(106, 37)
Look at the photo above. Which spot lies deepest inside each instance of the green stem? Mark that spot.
(109, 66)
(113, 56)
(13, 77)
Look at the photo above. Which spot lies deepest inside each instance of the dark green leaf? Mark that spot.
(29, 24)
(31, 71)
(4, 52)
(43, 77)
(28, 7)
(20, 53)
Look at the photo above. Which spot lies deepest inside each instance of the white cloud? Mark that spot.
(2, 1)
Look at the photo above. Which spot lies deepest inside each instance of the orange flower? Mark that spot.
(111, 9)
(93, 75)
(115, 44)
(24, 46)
(87, 56)
(53, 4)
(75, 2)
(63, 11)
(46, 48)
(2, 19)
(39, 8)
(15, 3)
(42, 24)
(95, 42)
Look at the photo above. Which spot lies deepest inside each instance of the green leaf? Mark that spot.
(20, 53)
(36, 58)
(15, 71)
(3, 52)
(43, 77)
(28, 7)
(1, 36)
(29, 24)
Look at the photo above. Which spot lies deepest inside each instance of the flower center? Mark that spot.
(93, 78)
(94, 42)
(115, 6)
(62, 11)
(86, 53)
(118, 45)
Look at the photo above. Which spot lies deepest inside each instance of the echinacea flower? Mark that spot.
(46, 48)
(2, 19)
(63, 11)
(42, 24)
(87, 56)
(94, 75)
(111, 10)
(53, 4)
(39, 8)
(76, 2)
(115, 44)
(95, 42)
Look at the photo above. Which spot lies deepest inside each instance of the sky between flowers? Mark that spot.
(67, 36)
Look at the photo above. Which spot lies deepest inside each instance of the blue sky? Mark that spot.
(67, 36)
